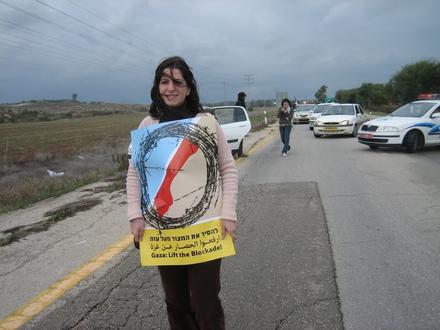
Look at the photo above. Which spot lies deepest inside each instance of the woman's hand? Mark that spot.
(137, 226)
(229, 226)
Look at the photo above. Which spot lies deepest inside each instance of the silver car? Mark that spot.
(340, 119)
(302, 113)
(317, 112)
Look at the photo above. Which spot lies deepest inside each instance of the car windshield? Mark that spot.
(320, 108)
(413, 110)
(304, 107)
(339, 110)
(229, 115)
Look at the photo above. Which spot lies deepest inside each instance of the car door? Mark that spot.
(235, 123)
(433, 136)
(361, 118)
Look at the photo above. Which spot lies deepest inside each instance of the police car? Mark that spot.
(412, 126)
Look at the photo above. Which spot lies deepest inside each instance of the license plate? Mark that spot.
(330, 129)
(366, 135)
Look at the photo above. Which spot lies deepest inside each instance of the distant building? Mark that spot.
(74, 97)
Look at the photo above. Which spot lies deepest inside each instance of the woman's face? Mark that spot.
(173, 88)
(285, 105)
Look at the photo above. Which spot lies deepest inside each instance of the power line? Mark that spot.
(53, 54)
(248, 78)
(52, 49)
(85, 37)
(89, 25)
(45, 20)
(60, 42)
(109, 22)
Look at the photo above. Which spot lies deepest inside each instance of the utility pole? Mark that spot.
(248, 77)
(248, 80)
(224, 92)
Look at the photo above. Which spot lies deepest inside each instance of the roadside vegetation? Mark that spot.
(48, 110)
(403, 87)
(22, 193)
(422, 77)
(257, 117)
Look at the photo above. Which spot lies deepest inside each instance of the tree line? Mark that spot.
(403, 87)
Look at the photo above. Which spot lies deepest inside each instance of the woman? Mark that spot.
(191, 291)
(285, 123)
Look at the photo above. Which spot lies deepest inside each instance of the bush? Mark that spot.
(17, 195)
(120, 161)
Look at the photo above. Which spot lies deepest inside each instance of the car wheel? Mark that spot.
(240, 149)
(373, 147)
(355, 131)
(413, 142)
(316, 135)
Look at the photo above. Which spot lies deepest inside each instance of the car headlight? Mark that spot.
(390, 129)
(345, 122)
(318, 122)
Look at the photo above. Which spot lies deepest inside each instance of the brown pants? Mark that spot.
(191, 295)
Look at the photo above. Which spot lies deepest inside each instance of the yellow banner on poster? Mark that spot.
(185, 246)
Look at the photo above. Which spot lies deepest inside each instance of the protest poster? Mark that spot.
(177, 165)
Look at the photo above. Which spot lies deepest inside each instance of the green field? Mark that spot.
(30, 141)
(257, 117)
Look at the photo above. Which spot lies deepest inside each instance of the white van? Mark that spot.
(235, 123)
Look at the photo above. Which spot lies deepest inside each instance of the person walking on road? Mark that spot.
(285, 115)
(191, 291)
(241, 100)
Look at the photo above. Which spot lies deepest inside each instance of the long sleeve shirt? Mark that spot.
(285, 117)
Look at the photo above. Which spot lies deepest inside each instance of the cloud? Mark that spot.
(294, 46)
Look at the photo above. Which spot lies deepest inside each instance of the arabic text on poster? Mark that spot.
(185, 246)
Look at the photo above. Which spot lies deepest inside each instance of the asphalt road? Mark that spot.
(378, 209)
(382, 208)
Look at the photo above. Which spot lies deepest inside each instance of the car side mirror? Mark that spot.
(435, 115)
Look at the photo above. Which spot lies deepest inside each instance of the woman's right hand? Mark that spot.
(137, 226)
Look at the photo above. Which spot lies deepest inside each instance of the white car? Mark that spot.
(302, 113)
(317, 112)
(412, 126)
(340, 119)
(235, 123)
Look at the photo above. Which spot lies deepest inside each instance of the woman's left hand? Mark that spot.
(229, 226)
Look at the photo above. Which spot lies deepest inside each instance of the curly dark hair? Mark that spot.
(286, 100)
(192, 101)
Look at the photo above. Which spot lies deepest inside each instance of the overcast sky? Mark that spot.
(108, 50)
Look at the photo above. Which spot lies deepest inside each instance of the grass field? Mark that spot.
(31, 141)
(257, 117)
